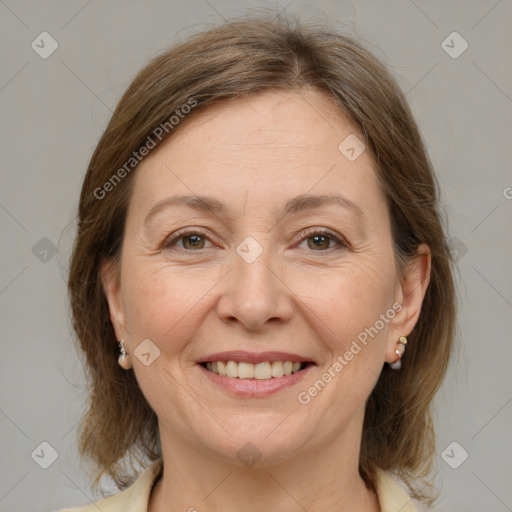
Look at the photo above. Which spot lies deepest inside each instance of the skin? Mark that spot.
(254, 155)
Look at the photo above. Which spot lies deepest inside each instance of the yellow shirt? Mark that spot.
(392, 497)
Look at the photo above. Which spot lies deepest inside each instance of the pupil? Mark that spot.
(194, 240)
(318, 239)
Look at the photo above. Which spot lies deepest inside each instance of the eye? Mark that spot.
(192, 240)
(319, 240)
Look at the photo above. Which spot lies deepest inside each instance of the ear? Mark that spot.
(111, 281)
(410, 294)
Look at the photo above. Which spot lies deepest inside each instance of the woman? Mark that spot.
(260, 281)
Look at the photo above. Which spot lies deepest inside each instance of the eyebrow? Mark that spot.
(294, 205)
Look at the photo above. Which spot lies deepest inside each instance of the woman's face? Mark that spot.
(258, 260)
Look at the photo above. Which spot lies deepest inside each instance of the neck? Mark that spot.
(316, 480)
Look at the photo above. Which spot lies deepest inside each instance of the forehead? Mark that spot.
(266, 147)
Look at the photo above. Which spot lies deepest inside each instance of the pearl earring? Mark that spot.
(397, 364)
(124, 362)
(122, 350)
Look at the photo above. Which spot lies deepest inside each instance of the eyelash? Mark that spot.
(310, 232)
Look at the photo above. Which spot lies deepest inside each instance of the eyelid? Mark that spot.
(304, 235)
(177, 235)
(308, 232)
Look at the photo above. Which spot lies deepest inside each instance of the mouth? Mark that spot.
(254, 374)
(263, 370)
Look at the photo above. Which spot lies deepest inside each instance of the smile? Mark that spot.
(260, 371)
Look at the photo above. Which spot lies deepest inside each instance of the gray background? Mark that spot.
(53, 112)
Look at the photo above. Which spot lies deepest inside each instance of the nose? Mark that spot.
(255, 294)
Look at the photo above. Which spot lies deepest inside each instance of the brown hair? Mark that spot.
(240, 58)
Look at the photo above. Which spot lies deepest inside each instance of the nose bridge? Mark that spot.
(254, 293)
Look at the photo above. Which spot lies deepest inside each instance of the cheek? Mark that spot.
(363, 318)
(348, 299)
(163, 303)
(150, 302)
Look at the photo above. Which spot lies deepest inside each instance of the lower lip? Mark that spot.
(254, 388)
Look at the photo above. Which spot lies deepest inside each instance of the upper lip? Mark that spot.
(254, 357)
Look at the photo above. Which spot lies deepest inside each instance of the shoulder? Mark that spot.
(133, 499)
(392, 496)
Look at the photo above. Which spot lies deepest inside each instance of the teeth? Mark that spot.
(277, 369)
(231, 369)
(221, 366)
(259, 371)
(246, 371)
(262, 371)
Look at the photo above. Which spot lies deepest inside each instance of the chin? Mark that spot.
(265, 443)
